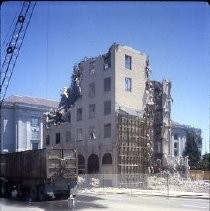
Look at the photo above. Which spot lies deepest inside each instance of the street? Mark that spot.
(115, 202)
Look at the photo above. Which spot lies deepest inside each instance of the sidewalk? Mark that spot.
(136, 192)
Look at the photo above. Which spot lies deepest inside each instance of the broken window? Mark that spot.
(107, 107)
(57, 138)
(79, 114)
(107, 84)
(175, 145)
(47, 139)
(128, 84)
(175, 136)
(128, 62)
(92, 110)
(107, 61)
(107, 130)
(92, 89)
(92, 133)
(92, 68)
(68, 136)
(79, 134)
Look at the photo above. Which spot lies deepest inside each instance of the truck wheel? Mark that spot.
(41, 193)
(33, 193)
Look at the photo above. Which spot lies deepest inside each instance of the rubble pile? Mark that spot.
(177, 183)
(156, 182)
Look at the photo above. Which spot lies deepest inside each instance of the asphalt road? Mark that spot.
(115, 202)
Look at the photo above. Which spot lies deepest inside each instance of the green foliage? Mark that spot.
(205, 162)
(193, 142)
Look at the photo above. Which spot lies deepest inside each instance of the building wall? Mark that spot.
(119, 98)
(130, 99)
(9, 129)
(22, 127)
(178, 140)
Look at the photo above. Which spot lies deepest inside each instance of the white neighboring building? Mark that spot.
(178, 139)
(22, 127)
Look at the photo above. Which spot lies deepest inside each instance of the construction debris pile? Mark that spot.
(176, 183)
(160, 182)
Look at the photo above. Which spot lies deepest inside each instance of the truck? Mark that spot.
(38, 174)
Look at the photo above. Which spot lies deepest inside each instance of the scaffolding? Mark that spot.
(134, 137)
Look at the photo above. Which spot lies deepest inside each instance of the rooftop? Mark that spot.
(32, 101)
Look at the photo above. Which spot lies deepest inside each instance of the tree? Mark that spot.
(193, 147)
(205, 162)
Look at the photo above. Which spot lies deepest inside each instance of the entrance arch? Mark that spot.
(106, 169)
(93, 164)
(107, 159)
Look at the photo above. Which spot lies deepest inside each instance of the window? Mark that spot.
(175, 152)
(107, 61)
(68, 136)
(92, 133)
(57, 138)
(79, 134)
(107, 107)
(175, 136)
(175, 145)
(47, 139)
(128, 62)
(92, 68)
(35, 134)
(79, 114)
(107, 84)
(35, 146)
(128, 84)
(92, 89)
(107, 130)
(92, 110)
(34, 122)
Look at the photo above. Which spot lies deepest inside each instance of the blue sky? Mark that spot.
(175, 35)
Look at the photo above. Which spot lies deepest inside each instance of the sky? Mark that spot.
(175, 35)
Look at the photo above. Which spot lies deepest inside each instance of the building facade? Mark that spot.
(178, 139)
(22, 125)
(107, 118)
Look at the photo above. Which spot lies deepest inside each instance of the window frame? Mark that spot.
(128, 86)
(79, 114)
(108, 110)
(36, 119)
(107, 130)
(107, 84)
(57, 138)
(79, 134)
(92, 89)
(128, 62)
(92, 111)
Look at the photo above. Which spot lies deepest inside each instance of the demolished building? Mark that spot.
(117, 117)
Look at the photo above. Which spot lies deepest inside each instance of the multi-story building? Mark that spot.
(22, 126)
(107, 121)
(108, 84)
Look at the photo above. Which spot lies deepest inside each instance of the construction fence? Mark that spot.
(126, 183)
